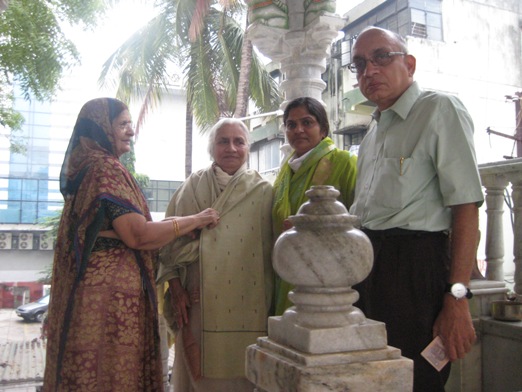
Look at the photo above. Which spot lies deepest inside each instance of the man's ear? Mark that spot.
(411, 64)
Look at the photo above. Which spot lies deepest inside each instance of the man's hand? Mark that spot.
(455, 327)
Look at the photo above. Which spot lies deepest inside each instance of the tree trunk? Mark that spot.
(244, 77)
(188, 139)
(3, 4)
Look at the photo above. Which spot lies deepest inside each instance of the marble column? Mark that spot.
(298, 35)
(324, 343)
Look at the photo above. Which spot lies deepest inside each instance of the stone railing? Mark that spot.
(488, 366)
(496, 179)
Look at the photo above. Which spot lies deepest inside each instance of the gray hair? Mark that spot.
(217, 127)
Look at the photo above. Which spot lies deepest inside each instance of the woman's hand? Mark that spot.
(180, 302)
(208, 218)
(191, 225)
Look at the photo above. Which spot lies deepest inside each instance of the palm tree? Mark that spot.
(206, 42)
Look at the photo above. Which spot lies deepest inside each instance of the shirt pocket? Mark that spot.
(397, 181)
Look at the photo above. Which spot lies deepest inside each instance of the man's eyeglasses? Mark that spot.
(378, 59)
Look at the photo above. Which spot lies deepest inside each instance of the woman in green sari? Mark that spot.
(315, 161)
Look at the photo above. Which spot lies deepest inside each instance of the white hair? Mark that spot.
(217, 127)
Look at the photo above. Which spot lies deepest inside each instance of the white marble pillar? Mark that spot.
(324, 343)
(298, 35)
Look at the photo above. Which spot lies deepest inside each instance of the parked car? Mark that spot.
(34, 311)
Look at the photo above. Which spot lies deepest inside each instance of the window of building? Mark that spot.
(265, 157)
(416, 18)
(28, 200)
(159, 193)
(352, 139)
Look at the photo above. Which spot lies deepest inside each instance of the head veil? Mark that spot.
(92, 137)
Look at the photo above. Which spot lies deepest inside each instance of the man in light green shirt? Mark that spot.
(417, 184)
(419, 160)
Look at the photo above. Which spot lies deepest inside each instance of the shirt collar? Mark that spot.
(404, 104)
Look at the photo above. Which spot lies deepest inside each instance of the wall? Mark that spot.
(160, 146)
(13, 295)
(480, 61)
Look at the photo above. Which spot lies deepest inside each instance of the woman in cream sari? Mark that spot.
(220, 283)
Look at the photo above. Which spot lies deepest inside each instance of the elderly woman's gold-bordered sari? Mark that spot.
(103, 332)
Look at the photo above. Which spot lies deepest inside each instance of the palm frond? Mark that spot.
(200, 83)
(198, 19)
(140, 67)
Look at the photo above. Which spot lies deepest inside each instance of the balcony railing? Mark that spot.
(488, 366)
(499, 179)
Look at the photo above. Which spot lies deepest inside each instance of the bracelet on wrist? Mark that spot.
(175, 226)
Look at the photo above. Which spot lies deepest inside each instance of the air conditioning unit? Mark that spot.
(46, 242)
(25, 241)
(6, 240)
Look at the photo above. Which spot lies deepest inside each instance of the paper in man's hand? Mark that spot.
(435, 354)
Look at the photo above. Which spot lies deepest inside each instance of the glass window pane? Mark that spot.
(28, 212)
(30, 189)
(418, 16)
(15, 189)
(434, 33)
(434, 20)
(10, 212)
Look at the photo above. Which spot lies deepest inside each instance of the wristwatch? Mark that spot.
(458, 290)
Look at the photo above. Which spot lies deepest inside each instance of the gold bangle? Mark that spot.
(175, 225)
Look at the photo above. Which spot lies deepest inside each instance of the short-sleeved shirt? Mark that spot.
(416, 162)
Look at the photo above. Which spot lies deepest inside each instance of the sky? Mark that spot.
(343, 6)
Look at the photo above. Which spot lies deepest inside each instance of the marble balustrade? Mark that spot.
(497, 179)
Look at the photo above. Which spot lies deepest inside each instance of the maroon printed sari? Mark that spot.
(103, 331)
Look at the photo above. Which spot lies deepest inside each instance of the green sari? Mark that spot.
(325, 165)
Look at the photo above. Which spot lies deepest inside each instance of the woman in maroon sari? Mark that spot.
(103, 332)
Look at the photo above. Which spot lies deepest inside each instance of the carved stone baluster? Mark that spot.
(495, 187)
(517, 243)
